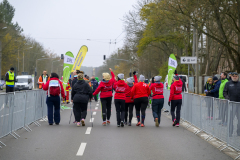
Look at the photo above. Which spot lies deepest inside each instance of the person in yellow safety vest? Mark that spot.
(10, 80)
(43, 79)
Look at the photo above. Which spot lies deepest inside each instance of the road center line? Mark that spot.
(94, 113)
(81, 149)
(97, 104)
(88, 131)
(91, 119)
(96, 108)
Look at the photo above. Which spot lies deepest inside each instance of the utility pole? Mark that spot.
(197, 66)
(18, 62)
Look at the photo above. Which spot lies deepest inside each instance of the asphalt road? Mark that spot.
(69, 142)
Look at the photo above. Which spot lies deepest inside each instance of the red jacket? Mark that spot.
(157, 89)
(105, 87)
(120, 88)
(139, 90)
(176, 90)
(45, 86)
(135, 79)
(128, 95)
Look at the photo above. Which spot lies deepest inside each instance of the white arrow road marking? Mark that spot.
(94, 113)
(81, 149)
(96, 108)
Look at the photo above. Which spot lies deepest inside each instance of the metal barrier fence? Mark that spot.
(218, 117)
(20, 109)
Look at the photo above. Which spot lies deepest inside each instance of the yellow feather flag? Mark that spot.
(80, 57)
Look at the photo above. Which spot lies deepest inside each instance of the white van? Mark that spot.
(24, 82)
(184, 77)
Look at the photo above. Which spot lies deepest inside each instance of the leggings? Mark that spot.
(141, 104)
(129, 108)
(120, 108)
(174, 104)
(106, 108)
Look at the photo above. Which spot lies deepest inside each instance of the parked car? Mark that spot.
(184, 77)
(24, 82)
(2, 84)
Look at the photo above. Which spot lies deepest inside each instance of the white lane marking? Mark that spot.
(97, 104)
(88, 131)
(81, 149)
(91, 119)
(94, 113)
(96, 108)
(134, 120)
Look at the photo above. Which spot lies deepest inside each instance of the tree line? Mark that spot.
(20, 51)
(156, 28)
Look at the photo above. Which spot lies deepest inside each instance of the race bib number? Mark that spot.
(53, 83)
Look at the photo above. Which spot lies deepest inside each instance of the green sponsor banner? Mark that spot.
(67, 67)
(172, 65)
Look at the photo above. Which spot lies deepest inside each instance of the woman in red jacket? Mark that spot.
(140, 93)
(106, 95)
(175, 99)
(158, 99)
(129, 103)
(54, 88)
(119, 98)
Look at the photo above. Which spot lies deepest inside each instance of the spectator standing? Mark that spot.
(232, 92)
(208, 87)
(217, 84)
(43, 79)
(10, 80)
(94, 84)
(184, 89)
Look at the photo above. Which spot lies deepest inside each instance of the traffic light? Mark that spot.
(104, 57)
(62, 56)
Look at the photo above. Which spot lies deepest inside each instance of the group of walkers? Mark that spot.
(129, 93)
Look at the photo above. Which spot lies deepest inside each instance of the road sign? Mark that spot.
(188, 60)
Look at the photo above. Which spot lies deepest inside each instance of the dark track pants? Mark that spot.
(129, 109)
(53, 104)
(80, 111)
(157, 105)
(9, 89)
(106, 108)
(174, 104)
(120, 108)
(141, 104)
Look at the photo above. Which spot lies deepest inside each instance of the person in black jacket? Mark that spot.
(75, 74)
(232, 92)
(94, 84)
(81, 93)
(184, 89)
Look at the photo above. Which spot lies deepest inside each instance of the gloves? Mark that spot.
(175, 72)
(169, 103)
(134, 72)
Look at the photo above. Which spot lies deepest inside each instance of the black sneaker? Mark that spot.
(122, 124)
(166, 111)
(50, 124)
(57, 123)
(174, 123)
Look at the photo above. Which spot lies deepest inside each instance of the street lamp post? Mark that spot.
(52, 64)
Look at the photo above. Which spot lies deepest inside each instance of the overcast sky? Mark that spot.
(65, 25)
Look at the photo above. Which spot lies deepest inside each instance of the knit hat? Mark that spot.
(141, 78)
(80, 76)
(121, 76)
(129, 80)
(11, 69)
(176, 77)
(215, 78)
(157, 78)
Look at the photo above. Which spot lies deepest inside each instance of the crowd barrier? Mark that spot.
(219, 118)
(20, 109)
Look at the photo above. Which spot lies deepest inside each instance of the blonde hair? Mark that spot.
(209, 79)
(106, 76)
(80, 76)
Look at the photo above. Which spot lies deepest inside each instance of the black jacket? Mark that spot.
(74, 81)
(209, 87)
(81, 92)
(94, 84)
(232, 91)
